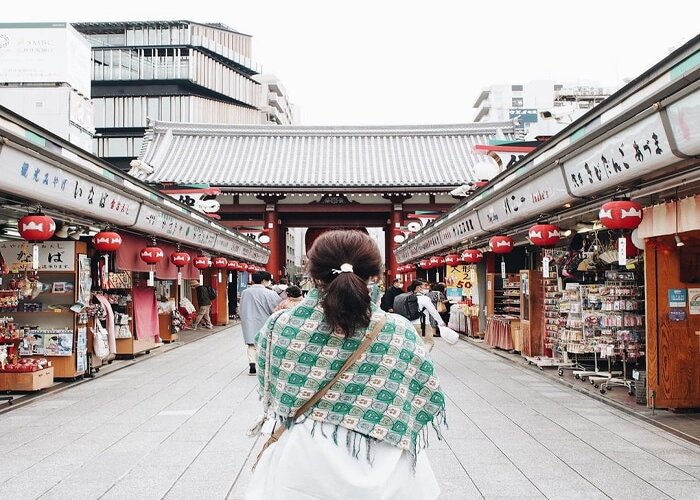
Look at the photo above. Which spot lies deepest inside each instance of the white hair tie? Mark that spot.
(345, 268)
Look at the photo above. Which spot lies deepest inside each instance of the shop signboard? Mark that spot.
(636, 150)
(543, 193)
(160, 223)
(35, 179)
(460, 230)
(53, 255)
(684, 117)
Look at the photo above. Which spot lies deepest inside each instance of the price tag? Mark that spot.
(622, 251)
(503, 269)
(545, 267)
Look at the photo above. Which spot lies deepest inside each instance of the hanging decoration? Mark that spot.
(179, 259)
(437, 261)
(105, 242)
(151, 255)
(452, 259)
(621, 214)
(544, 235)
(425, 264)
(36, 228)
(220, 263)
(472, 256)
(201, 262)
(501, 244)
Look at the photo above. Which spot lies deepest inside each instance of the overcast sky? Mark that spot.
(357, 62)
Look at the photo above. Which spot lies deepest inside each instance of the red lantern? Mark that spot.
(220, 262)
(399, 270)
(472, 256)
(621, 214)
(409, 268)
(425, 264)
(36, 228)
(180, 259)
(201, 262)
(232, 265)
(437, 261)
(107, 241)
(544, 235)
(151, 255)
(250, 268)
(501, 244)
(452, 259)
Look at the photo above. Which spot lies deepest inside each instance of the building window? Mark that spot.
(558, 87)
(516, 88)
(517, 102)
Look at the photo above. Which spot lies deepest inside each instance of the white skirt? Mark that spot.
(302, 466)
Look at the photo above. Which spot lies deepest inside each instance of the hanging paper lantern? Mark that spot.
(544, 235)
(220, 262)
(437, 261)
(452, 259)
(501, 244)
(399, 270)
(621, 214)
(232, 265)
(250, 268)
(472, 256)
(201, 262)
(151, 255)
(180, 259)
(107, 241)
(425, 264)
(36, 228)
(409, 268)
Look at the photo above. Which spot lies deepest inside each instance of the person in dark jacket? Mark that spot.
(387, 302)
(204, 303)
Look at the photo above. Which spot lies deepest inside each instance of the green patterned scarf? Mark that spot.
(390, 394)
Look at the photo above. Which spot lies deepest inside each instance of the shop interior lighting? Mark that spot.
(679, 241)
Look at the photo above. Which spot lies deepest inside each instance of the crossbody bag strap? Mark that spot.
(369, 338)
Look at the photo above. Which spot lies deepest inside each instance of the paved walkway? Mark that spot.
(173, 426)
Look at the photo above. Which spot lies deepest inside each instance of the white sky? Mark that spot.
(364, 62)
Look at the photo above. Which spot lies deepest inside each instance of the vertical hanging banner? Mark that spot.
(545, 267)
(503, 269)
(622, 251)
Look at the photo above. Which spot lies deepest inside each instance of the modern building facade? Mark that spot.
(178, 71)
(542, 107)
(45, 78)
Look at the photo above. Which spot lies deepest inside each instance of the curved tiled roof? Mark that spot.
(250, 156)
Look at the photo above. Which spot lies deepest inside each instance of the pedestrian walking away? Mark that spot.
(293, 299)
(348, 389)
(387, 302)
(257, 303)
(204, 298)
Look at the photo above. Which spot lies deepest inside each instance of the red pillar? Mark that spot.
(394, 228)
(274, 264)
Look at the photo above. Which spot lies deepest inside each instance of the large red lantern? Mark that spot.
(35, 229)
(544, 235)
(151, 255)
(472, 256)
(399, 270)
(452, 259)
(621, 214)
(179, 259)
(437, 261)
(425, 264)
(201, 262)
(501, 244)
(220, 263)
(408, 268)
(232, 265)
(107, 241)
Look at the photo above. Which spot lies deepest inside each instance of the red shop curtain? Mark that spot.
(128, 258)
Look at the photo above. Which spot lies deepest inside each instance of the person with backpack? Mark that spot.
(204, 297)
(396, 289)
(257, 303)
(416, 306)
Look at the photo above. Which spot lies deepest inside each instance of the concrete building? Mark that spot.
(45, 78)
(542, 107)
(178, 71)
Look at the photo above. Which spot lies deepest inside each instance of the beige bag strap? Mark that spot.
(369, 338)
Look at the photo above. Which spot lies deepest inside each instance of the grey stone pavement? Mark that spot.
(173, 426)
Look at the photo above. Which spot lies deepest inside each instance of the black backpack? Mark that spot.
(211, 292)
(406, 304)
